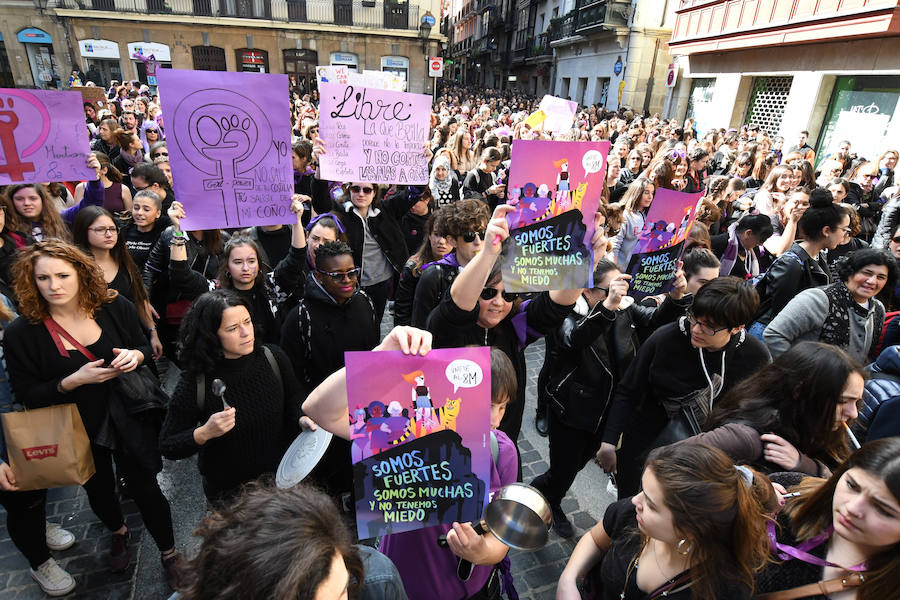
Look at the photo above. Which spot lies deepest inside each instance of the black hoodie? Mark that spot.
(318, 331)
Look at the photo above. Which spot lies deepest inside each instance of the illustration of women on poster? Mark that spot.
(424, 407)
(562, 185)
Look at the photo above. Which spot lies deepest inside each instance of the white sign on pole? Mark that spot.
(435, 66)
(671, 75)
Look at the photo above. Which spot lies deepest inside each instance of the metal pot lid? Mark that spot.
(301, 457)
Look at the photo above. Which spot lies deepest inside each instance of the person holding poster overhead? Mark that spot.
(478, 310)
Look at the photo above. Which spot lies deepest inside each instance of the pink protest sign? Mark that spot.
(655, 257)
(42, 137)
(420, 435)
(229, 138)
(555, 187)
(372, 135)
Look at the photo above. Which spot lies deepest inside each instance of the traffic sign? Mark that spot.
(435, 66)
(671, 75)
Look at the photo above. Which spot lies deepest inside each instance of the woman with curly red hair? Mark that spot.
(74, 336)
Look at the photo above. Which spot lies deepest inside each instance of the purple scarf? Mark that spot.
(751, 264)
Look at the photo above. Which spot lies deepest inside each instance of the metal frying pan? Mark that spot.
(518, 515)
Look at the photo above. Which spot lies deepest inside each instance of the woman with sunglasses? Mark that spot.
(375, 235)
(478, 310)
(149, 135)
(862, 195)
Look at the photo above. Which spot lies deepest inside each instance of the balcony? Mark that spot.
(538, 49)
(721, 25)
(355, 13)
(563, 27)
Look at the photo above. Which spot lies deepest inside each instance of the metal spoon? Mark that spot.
(218, 388)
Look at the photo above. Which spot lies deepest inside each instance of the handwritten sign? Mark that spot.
(229, 147)
(556, 188)
(655, 257)
(373, 136)
(553, 114)
(332, 74)
(419, 430)
(42, 137)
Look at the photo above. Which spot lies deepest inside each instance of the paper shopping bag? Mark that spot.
(48, 447)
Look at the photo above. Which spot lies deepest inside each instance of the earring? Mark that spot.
(685, 551)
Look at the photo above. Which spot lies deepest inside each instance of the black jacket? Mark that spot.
(432, 284)
(385, 227)
(168, 281)
(590, 352)
(786, 278)
(316, 334)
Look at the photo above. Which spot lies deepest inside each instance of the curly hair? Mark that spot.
(329, 249)
(92, 288)
(199, 347)
(469, 214)
(271, 543)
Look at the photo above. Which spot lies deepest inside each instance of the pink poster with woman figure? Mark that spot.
(420, 437)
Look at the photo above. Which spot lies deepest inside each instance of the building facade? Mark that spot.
(112, 39)
(831, 67)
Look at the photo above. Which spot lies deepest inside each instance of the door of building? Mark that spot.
(301, 66)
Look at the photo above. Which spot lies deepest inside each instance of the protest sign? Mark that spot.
(229, 139)
(331, 74)
(420, 437)
(553, 114)
(655, 257)
(92, 94)
(373, 136)
(555, 187)
(43, 137)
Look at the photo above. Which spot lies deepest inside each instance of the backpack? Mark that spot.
(273, 364)
(761, 282)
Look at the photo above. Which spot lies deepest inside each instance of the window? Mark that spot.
(252, 61)
(208, 58)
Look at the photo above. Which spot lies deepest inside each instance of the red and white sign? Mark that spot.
(671, 75)
(39, 452)
(435, 66)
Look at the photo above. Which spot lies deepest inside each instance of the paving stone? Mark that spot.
(539, 576)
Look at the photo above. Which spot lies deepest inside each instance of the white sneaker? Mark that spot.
(53, 579)
(59, 538)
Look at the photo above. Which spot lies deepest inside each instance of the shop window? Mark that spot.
(208, 58)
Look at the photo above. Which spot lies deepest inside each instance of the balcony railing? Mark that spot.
(358, 13)
(563, 28)
(538, 46)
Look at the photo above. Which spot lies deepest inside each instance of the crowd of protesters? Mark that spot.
(706, 405)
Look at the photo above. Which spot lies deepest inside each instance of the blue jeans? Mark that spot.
(756, 329)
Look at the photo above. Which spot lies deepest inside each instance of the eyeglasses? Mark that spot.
(339, 276)
(359, 189)
(896, 240)
(104, 230)
(489, 293)
(704, 328)
(469, 237)
(159, 154)
(605, 290)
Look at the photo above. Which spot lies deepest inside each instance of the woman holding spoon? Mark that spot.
(237, 403)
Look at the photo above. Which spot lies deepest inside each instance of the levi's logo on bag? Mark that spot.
(39, 452)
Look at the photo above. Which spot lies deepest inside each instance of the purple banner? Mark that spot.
(420, 432)
(43, 137)
(373, 136)
(229, 138)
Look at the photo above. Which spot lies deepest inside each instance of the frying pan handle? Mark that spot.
(479, 527)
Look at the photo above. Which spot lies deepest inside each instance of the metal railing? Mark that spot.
(359, 13)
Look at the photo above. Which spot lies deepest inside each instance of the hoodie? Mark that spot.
(318, 332)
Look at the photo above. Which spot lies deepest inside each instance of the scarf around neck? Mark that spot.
(730, 257)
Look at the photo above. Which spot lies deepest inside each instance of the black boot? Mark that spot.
(541, 421)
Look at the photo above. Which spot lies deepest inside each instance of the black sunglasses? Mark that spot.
(339, 276)
(357, 189)
(469, 237)
(488, 293)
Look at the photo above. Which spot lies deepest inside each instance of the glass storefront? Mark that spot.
(865, 110)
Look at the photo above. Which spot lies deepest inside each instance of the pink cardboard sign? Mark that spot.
(373, 136)
(229, 138)
(420, 437)
(556, 188)
(655, 257)
(43, 137)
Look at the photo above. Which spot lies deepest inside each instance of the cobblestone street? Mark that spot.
(536, 573)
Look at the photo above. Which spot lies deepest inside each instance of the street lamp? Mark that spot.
(424, 30)
(41, 5)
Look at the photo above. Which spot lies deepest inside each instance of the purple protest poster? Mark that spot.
(372, 135)
(655, 257)
(420, 437)
(229, 138)
(42, 137)
(556, 188)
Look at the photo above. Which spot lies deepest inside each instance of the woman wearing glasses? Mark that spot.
(243, 433)
(478, 310)
(862, 195)
(375, 237)
(95, 231)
